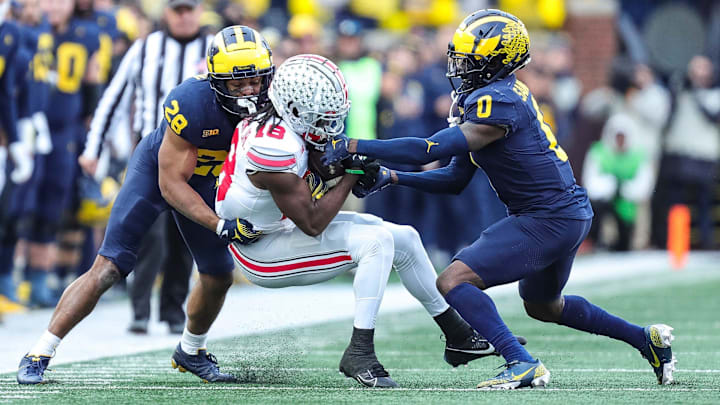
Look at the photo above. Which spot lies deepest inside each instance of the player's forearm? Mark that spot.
(450, 179)
(327, 208)
(188, 202)
(410, 150)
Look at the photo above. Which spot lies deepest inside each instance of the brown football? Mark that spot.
(325, 172)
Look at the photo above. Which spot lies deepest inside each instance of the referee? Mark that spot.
(148, 71)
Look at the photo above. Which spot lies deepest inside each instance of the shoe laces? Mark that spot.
(508, 364)
(377, 370)
(37, 365)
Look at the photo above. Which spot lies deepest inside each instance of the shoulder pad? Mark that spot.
(275, 149)
(494, 104)
(186, 106)
(267, 159)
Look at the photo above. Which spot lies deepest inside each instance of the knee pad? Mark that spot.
(405, 236)
(370, 240)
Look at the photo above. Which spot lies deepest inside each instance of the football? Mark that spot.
(326, 173)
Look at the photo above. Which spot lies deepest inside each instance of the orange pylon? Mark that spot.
(678, 240)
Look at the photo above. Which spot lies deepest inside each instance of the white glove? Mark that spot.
(22, 158)
(43, 142)
(3, 159)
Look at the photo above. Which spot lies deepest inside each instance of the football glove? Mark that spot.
(369, 183)
(22, 158)
(336, 150)
(318, 187)
(43, 142)
(237, 230)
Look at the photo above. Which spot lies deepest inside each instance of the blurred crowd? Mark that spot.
(645, 140)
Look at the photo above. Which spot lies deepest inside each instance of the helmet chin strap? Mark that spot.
(4, 7)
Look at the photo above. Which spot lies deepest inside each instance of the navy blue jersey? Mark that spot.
(107, 26)
(527, 168)
(39, 41)
(73, 50)
(192, 112)
(9, 45)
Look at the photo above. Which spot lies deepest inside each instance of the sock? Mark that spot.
(191, 343)
(7, 257)
(62, 271)
(453, 326)
(580, 314)
(38, 282)
(46, 345)
(7, 287)
(362, 340)
(479, 311)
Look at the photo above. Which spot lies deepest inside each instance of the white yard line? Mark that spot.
(206, 387)
(250, 310)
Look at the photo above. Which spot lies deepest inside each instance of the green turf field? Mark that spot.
(300, 365)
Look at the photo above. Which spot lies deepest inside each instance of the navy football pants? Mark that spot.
(537, 251)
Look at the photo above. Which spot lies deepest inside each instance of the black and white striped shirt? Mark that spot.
(148, 71)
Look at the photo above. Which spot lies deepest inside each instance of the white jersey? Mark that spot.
(255, 149)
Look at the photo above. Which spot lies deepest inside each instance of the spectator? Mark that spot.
(692, 147)
(617, 174)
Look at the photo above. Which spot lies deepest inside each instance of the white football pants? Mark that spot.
(292, 258)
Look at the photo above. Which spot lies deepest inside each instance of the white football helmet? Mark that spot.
(310, 94)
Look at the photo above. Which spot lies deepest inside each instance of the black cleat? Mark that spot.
(32, 369)
(366, 369)
(473, 347)
(203, 365)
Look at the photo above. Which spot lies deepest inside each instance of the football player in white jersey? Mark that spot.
(306, 239)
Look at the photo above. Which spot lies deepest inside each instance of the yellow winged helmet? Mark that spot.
(488, 46)
(239, 52)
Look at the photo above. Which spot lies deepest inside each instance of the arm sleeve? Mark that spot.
(451, 179)
(444, 143)
(113, 100)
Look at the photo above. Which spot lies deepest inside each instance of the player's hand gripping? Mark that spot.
(318, 187)
(376, 178)
(336, 150)
(237, 230)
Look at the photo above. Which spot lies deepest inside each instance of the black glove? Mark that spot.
(357, 164)
(238, 230)
(373, 181)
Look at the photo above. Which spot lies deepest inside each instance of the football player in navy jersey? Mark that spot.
(175, 168)
(13, 65)
(85, 10)
(32, 97)
(501, 130)
(75, 69)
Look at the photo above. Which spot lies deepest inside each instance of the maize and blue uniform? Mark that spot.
(9, 45)
(191, 111)
(107, 25)
(73, 50)
(549, 214)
